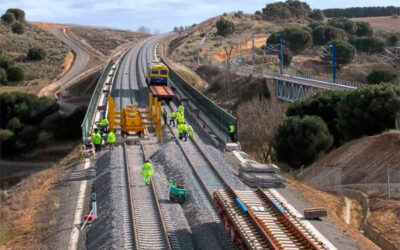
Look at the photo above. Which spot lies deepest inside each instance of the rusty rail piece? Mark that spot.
(160, 214)
(285, 220)
(130, 198)
(264, 230)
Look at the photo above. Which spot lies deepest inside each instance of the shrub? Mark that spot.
(225, 27)
(314, 25)
(18, 28)
(379, 76)
(238, 14)
(323, 104)
(281, 11)
(344, 53)
(18, 13)
(5, 63)
(28, 135)
(8, 18)
(258, 13)
(3, 76)
(368, 110)
(296, 38)
(14, 125)
(317, 15)
(324, 34)
(300, 141)
(15, 74)
(36, 54)
(364, 29)
(344, 24)
(369, 44)
(7, 142)
(392, 40)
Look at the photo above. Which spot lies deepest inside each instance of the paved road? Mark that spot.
(81, 60)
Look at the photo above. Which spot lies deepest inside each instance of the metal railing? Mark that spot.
(218, 116)
(398, 122)
(90, 112)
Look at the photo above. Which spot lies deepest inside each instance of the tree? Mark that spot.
(368, 110)
(36, 54)
(258, 13)
(362, 12)
(8, 18)
(258, 120)
(15, 74)
(28, 135)
(323, 104)
(7, 142)
(5, 63)
(317, 15)
(392, 40)
(144, 30)
(176, 29)
(18, 13)
(369, 44)
(325, 34)
(238, 14)
(344, 24)
(344, 53)
(14, 125)
(379, 76)
(18, 28)
(296, 38)
(364, 29)
(225, 27)
(276, 12)
(301, 141)
(3, 76)
(287, 57)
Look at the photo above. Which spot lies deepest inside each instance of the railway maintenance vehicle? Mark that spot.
(157, 77)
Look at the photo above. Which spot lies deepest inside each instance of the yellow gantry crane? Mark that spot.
(133, 119)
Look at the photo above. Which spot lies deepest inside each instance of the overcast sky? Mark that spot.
(160, 15)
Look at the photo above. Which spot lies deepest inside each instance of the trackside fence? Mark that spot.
(91, 110)
(398, 122)
(218, 116)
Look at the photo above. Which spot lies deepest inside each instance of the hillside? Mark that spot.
(185, 46)
(37, 73)
(384, 23)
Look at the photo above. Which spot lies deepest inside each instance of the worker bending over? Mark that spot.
(147, 171)
(96, 138)
(111, 139)
(103, 126)
(173, 117)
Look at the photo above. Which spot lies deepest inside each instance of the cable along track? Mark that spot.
(147, 222)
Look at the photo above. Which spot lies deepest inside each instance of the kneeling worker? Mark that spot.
(111, 139)
(147, 171)
(190, 131)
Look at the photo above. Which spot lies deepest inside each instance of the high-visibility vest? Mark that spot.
(147, 169)
(96, 138)
(179, 117)
(173, 115)
(111, 138)
(190, 130)
(104, 122)
(165, 112)
(181, 108)
(180, 128)
(232, 129)
(184, 127)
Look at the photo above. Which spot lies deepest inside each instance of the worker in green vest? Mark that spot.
(190, 131)
(147, 171)
(103, 126)
(180, 117)
(181, 108)
(184, 130)
(111, 139)
(180, 131)
(232, 132)
(96, 138)
(173, 117)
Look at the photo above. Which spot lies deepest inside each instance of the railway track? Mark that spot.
(147, 222)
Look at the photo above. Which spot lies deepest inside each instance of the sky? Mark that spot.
(158, 15)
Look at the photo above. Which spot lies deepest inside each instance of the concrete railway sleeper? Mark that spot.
(147, 221)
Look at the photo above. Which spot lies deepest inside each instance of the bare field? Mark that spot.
(105, 40)
(386, 23)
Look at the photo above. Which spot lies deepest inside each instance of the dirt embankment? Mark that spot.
(385, 23)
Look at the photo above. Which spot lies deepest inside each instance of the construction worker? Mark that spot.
(181, 108)
(184, 130)
(111, 139)
(96, 138)
(147, 171)
(180, 130)
(232, 132)
(165, 115)
(180, 117)
(103, 126)
(190, 131)
(173, 117)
